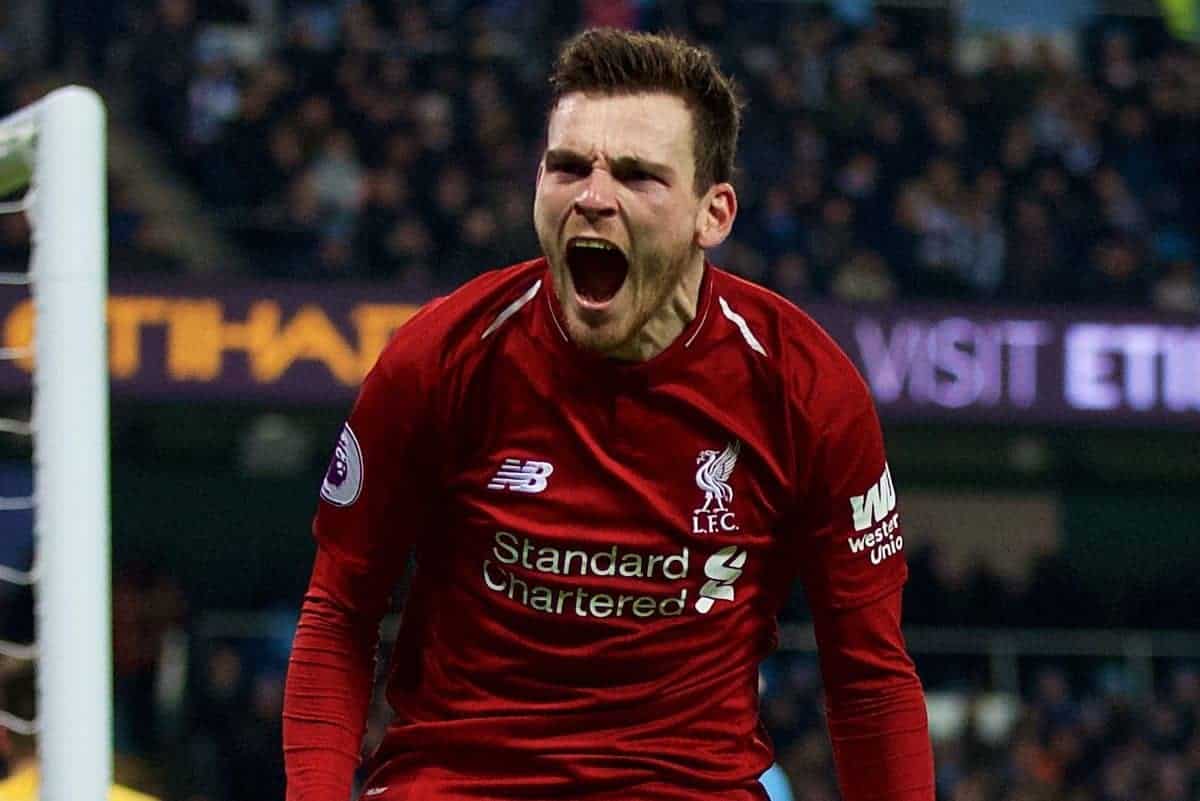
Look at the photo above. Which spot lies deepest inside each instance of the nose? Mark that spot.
(597, 197)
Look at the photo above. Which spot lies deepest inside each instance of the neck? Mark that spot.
(667, 323)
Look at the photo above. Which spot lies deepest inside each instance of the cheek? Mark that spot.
(674, 216)
(549, 200)
(542, 209)
(669, 229)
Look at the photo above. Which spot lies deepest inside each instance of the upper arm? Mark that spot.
(853, 550)
(380, 481)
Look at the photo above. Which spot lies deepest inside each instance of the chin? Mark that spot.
(605, 338)
(593, 329)
(602, 339)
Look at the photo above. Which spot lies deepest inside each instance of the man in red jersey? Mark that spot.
(611, 464)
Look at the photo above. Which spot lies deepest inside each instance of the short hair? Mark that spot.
(614, 62)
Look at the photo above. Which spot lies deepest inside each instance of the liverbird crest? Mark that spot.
(712, 477)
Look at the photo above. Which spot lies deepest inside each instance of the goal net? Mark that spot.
(52, 169)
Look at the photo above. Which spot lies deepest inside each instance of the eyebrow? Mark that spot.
(560, 155)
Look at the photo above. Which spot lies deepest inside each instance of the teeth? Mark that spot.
(595, 244)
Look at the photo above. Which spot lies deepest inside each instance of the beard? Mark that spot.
(649, 285)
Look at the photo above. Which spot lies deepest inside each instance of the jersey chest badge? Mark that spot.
(712, 477)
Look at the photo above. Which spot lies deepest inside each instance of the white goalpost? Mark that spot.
(55, 150)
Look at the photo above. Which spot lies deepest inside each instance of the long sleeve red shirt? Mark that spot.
(601, 551)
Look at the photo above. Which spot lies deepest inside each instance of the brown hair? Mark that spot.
(611, 61)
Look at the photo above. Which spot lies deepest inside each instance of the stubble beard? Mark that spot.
(618, 338)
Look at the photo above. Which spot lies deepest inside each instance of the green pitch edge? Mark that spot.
(16, 158)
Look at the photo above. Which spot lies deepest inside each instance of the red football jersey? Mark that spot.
(602, 547)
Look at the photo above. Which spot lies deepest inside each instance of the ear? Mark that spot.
(714, 219)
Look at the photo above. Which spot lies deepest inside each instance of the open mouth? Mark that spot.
(598, 269)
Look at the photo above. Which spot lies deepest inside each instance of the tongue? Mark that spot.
(597, 274)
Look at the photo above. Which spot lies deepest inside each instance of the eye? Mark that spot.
(637, 175)
(574, 168)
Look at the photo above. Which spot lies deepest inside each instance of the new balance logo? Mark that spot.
(876, 504)
(521, 476)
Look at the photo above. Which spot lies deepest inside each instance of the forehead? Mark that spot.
(654, 126)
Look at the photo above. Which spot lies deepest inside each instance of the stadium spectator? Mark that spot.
(1179, 287)
(163, 77)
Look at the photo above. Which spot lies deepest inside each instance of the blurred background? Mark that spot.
(993, 205)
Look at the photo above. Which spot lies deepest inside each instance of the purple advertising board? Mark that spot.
(311, 344)
(1048, 365)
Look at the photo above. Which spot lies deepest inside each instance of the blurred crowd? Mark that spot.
(136, 244)
(1052, 592)
(398, 141)
(1088, 740)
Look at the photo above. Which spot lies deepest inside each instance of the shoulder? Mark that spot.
(815, 370)
(449, 328)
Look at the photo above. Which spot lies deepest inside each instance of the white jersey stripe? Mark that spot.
(740, 322)
(512, 309)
